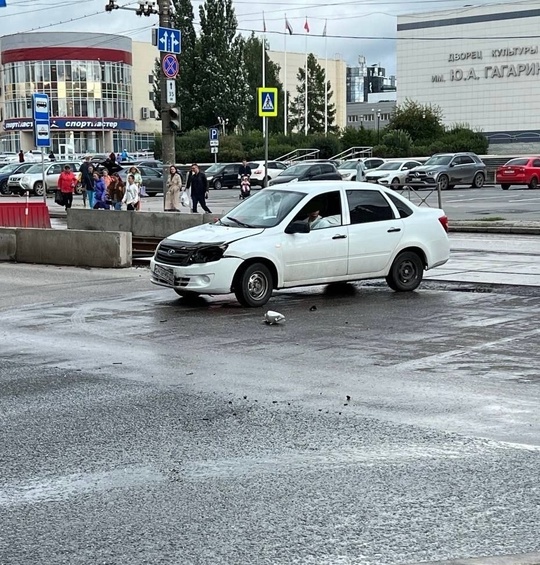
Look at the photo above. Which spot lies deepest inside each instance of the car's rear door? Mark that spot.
(52, 174)
(374, 231)
(468, 169)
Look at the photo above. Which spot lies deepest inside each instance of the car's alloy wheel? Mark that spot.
(534, 183)
(4, 188)
(443, 182)
(505, 186)
(395, 184)
(38, 188)
(217, 184)
(406, 272)
(253, 286)
(78, 189)
(478, 181)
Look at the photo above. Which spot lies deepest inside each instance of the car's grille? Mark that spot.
(170, 252)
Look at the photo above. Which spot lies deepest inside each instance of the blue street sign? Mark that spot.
(169, 40)
(213, 134)
(2, 3)
(170, 66)
(42, 124)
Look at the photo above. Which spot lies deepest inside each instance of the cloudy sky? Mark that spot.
(366, 27)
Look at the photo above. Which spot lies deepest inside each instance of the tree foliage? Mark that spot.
(423, 122)
(315, 99)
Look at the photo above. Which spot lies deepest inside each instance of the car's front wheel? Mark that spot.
(406, 272)
(443, 182)
(217, 184)
(254, 285)
(505, 186)
(79, 189)
(39, 189)
(478, 181)
(4, 190)
(395, 184)
(534, 183)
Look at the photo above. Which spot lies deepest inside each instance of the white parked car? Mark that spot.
(392, 173)
(349, 170)
(275, 168)
(304, 234)
(31, 180)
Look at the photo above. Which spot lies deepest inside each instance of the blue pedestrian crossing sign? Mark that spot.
(267, 102)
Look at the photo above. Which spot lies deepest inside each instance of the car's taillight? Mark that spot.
(444, 222)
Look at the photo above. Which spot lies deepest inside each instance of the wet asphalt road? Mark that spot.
(138, 428)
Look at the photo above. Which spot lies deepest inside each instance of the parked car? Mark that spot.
(9, 157)
(307, 171)
(349, 170)
(298, 235)
(32, 180)
(275, 168)
(152, 163)
(8, 170)
(523, 170)
(152, 179)
(448, 170)
(373, 162)
(223, 175)
(392, 173)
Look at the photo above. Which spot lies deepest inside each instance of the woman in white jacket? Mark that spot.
(131, 197)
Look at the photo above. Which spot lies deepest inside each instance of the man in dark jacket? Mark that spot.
(199, 188)
(245, 170)
(87, 181)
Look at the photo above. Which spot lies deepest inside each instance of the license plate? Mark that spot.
(164, 273)
(509, 172)
(374, 181)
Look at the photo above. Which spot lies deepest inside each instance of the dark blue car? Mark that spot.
(7, 170)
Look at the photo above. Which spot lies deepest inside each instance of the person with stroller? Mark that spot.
(244, 175)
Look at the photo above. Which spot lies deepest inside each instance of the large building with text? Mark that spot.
(480, 65)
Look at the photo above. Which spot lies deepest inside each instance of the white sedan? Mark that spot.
(392, 173)
(296, 235)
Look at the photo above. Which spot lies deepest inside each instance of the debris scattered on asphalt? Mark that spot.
(348, 397)
(313, 308)
(272, 318)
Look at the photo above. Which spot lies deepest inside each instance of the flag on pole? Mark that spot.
(264, 24)
(288, 26)
(306, 26)
(324, 30)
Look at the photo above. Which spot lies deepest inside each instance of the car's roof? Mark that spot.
(319, 186)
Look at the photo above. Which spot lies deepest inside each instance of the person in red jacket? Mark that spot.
(66, 184)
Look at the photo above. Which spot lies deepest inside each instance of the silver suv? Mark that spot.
(447, 170)
(32, 179)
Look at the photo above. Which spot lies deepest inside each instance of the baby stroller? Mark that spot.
(245, 187)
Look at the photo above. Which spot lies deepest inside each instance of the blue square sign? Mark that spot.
(169, 40)
(41, 114)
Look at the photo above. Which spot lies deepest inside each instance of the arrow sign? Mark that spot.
(169, 40)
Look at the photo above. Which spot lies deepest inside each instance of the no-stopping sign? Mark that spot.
(170, 66)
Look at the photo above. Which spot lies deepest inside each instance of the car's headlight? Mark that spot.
(210, 178)
(294, 180)
(431, 173)
(208, 254)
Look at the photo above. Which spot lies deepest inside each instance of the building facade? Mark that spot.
(94, 100)
(480, 65)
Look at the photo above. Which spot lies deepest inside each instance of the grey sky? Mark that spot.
(374, 18)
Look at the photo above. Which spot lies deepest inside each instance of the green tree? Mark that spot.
(252, 71)
(222, 89)
(423, 122)
(315, 95)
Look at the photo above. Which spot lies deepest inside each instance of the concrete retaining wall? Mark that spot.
(140, 224)
(66, 247)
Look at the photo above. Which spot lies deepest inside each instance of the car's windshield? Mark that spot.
(390, 166)
(214, 168)
(439, 160)
(348, 165)
(265, 209)
(296, 170)
(9, 168)
(34, 169)
(514, 162)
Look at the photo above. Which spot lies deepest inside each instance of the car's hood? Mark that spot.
(429, 168)
(214, 233)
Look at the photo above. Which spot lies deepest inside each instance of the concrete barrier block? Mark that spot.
(99, 220)
(74, 247)
(8, 244)
(162, 224)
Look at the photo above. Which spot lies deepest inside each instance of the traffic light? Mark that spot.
(175, 119)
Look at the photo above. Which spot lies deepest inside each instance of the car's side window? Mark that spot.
(228, 170)
(55, 170)
(456, 161)
(402, 208)
(327, 169)
(368, 206)
(536, 163)
(313, 171)
(322, 211)
(410, 165)
(466, 160)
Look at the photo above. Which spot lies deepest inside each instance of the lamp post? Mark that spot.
(223, 123)
(378, 126)
(102, 65)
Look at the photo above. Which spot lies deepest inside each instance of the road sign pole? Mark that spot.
(43, 174)
(266, 136)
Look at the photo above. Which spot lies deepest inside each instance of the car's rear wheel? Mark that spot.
(254, 285)
(406, 272)
(443, 182)
(4, 190)
(39, 189)
(505, 186)
(79, 189)
(478, 181)
(217, 184)
(395, 184)
(534, 183)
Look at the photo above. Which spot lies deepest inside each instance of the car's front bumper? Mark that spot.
(215, 277)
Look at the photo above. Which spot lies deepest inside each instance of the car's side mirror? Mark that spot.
(452, 164)
(297, 227)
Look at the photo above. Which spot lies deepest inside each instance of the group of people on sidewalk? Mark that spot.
(196, 186)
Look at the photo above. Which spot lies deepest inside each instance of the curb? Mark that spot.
(523, 559)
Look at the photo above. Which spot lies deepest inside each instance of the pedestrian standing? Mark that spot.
(52, 156)
(87, 181)
(138, 181)
(66, 184)
(199, 188)
(21, 156)
(111, 164)
(116, 191)
(131, 196)
(106, 178)
(174, 187)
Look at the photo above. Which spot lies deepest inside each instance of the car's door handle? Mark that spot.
(392, 230)
(340, 237)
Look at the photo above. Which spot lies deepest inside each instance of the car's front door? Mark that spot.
(52, 175)
(374, 231)
(321, 255)
(468, 169)
(152, 179)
